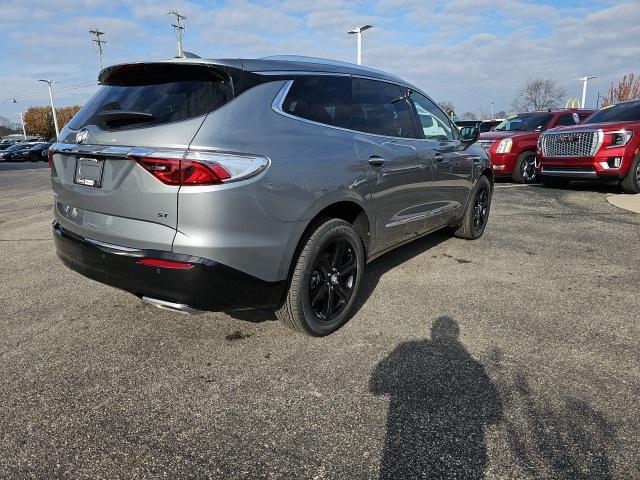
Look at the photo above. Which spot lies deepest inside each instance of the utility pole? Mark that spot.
(98, 41)
(178, 28)
(53, 108)
(24, 131)
(492, 110)
(358, 31)
(585, 80)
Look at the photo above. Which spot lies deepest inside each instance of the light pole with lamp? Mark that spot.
(53, 108)
(358, 31)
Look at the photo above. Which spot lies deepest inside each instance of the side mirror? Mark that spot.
(469, 135)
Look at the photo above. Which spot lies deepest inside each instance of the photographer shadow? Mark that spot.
(441, 401)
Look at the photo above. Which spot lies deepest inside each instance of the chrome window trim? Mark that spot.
(276, 106)
(298, 73)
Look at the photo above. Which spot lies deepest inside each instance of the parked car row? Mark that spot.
(24, 151)
(557, 146)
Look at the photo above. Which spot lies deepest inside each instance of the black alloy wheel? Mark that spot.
(528, 169)
(481, 209)
(332, 279)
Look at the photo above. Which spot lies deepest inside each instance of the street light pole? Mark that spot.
(53, 108)
(358, 31)
(585, 80)
(24, 132)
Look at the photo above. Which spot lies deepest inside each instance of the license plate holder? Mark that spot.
(89, 172)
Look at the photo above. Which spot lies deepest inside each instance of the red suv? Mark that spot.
(512, 144)
(605, 146)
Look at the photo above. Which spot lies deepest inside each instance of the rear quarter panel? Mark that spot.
(255, 225)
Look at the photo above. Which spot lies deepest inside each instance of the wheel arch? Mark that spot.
(349, 210)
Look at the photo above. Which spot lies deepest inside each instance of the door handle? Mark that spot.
(376, 162)
(438, 157)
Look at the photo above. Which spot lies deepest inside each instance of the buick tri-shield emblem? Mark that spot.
(82, 136)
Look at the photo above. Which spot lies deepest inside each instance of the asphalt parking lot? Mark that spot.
(514, 356)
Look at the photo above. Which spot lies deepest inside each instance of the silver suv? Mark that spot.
(265, 183)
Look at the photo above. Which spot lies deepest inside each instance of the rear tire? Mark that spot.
(631, 183)
(525, 170)
(325, 281)
(477, 213)
(554, 182)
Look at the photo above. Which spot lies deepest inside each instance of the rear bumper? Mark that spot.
(208, 285)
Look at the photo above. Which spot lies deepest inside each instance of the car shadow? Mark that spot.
(372, 274)
(612, 187)
(440, 402)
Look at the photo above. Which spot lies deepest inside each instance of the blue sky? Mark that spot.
(470, 52)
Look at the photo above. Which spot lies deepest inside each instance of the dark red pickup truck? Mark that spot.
(606, 146)
(512, 144)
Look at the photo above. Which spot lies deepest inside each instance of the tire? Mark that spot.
(554, 182)
(316, 281)
(631, 183)
(477, 213)
(525, 170)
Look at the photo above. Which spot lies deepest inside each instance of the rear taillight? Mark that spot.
(167, 170)
(50, 157)
(200, 168)
(161, 263)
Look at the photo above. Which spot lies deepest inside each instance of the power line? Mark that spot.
(178, 28)
(98, 41)
(38, 93)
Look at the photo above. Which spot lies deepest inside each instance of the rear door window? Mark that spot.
(382, 108)
(323, 99)
(150, 94)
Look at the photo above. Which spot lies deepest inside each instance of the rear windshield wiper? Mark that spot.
(127, 115)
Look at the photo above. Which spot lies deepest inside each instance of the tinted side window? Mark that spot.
(381, 108)
(565, 120)
(323, 99)
(433, 121)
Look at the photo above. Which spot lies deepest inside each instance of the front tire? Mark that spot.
(477, 213)
(631, 183)
(325, 280)
(525, 170)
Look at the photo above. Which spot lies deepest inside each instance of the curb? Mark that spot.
(626, 202)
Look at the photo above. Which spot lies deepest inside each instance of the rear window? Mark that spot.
(323, 99)
(144, 95)
(622, 112)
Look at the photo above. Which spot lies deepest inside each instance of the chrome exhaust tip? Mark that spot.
(174, 307)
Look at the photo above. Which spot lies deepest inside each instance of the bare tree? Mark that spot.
(501, 114)
(539, 94)
(447, 107)
(484, 113)
(626, 89)
(468, 116)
